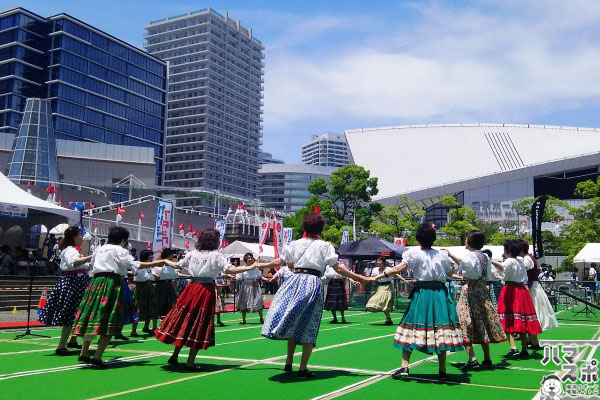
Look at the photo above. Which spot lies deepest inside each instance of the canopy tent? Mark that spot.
(38, 211)
(369, 249)
(460, 251)
(237, 249)
(589, 254)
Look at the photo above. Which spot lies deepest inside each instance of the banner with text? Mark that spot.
(163, 227)
(537, 215)
(263, 231)
(277, 237)
(288, 235)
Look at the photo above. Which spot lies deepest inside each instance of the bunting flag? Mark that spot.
(187, 244)
(120, 210)
(54, 193)
(60, 201)
(29, 187)
(95, 223)
(190, 229)
(181, 226)
(49, 192)
(149, 245)
(92, 205)
(316, 209)
(196, 233)
(140, 215)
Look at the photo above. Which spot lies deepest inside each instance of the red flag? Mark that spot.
(190, 229)
(120, 210)
(316, 209)
(196, 233)
(303, 234)
(187, 244)
(55, 189)
(149, 244)
(140, 215)
(49, 189)
(95, 222)
(92, 205)
(60, 201)
(28, 184)
(181, 226)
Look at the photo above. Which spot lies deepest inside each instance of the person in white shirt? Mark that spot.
(66, 295)
(164, 288)
(282, 274)
(190, 322)
(381, 300)
(143, 293)
(493, 279)
(478, 316)
(101, 310)
(515, 307)
(430, 323)
(249, 297)
(297, 307)
(336, 300)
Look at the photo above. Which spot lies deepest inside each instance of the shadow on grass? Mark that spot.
(206, 368)
(292, 377)
(433, 379)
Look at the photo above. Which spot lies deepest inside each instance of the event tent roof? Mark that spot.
(237, 249)
(369, 249)
(589, 254)
(11, 194)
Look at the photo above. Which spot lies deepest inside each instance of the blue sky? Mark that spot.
(335, 65)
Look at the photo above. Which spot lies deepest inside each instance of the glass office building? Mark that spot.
(101, 89)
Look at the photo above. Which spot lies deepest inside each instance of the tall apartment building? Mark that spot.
(214, 101)
(327, 150)
(100, 88)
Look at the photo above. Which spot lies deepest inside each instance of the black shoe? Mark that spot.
(120, 337)
(173, 361)
(333, 321)
(536, 348)
(288, 368)
(242, 322)
(147, 330)
(98, 363)
(193, 368)
(443, 376)
(512, 353)
(84, 360)
(401, 373)
(344, 321)
(524, 354)
(61, 352)
(74, 345)
(471, 365)
(306, 374)
(135, 334)
(262, 321)
(389, 322)
(487, 364)
(220, 323)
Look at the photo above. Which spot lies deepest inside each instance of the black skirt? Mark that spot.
(335, 300)
(165, 297)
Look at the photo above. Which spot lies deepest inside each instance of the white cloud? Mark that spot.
(451, 65)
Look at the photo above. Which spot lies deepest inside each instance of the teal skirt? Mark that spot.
(430, 324)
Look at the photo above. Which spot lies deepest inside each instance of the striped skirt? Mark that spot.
(477, 315)
(101, 309)
(430, 323)
(143, 293)
(516, 311)
(190, 322)
(335, 300)
(296, 310)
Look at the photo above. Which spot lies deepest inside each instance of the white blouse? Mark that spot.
(427, 265)
(310, 254)
(471, 266)
(143, 275)
(205, 264)
(166, 272)
(251, 275)
(375, 272)
(283, 273)
(514, 270)
(331, 273)
(113, 258)
(68, 256)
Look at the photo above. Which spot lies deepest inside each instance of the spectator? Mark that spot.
(50, 242)
(593, 272)
(23, 259)
(6, 260)
(134, 254)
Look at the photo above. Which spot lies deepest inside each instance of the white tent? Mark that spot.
(589, 254)
(12, 195)
(460, 251)
(237, 249)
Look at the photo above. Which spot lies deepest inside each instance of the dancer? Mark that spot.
(163, 288)
(101, 308)
(381, 301)
(143, 293)
(515, 307)
(297, 307)
(336, 300)
(220, 307)
(130, 311)
(430, 323)
(493, 279)
(283, 274)
(66, 295)
(249, 293)
(190, 322)
(477, 315)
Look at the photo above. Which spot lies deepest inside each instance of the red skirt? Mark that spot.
(190, 322)
(516, 311)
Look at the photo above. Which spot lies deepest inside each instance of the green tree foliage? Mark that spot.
(397, 220)
(462, 220)
(551, 211)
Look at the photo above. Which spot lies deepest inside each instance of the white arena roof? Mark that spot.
(425, 161)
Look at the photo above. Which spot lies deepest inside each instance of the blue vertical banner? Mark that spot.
(163, 227)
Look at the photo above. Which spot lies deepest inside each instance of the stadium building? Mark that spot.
(485, 166)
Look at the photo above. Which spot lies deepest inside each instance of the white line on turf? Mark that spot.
(26, 351)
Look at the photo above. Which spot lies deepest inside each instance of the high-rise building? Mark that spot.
(328, 150)
(267, 158)
(214, 101)
(100, 88)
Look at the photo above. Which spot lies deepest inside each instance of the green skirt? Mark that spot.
(143, 293)
(430, 324)
(101, 309)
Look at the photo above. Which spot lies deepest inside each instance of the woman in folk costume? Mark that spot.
(249, 292)
(190, 322)
(164, 289)
(297, 307)
(101, 309)
(476, 312)
(493, 279)
(515, 307)
(66, 295)
(381, 301)
(143, 294)
(430, 323)
(336, 299)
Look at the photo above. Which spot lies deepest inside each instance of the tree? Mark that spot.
(398, 220)
(462, 219)
(551, 211)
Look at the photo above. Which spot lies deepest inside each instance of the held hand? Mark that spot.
(355, 283)
(411, 281)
